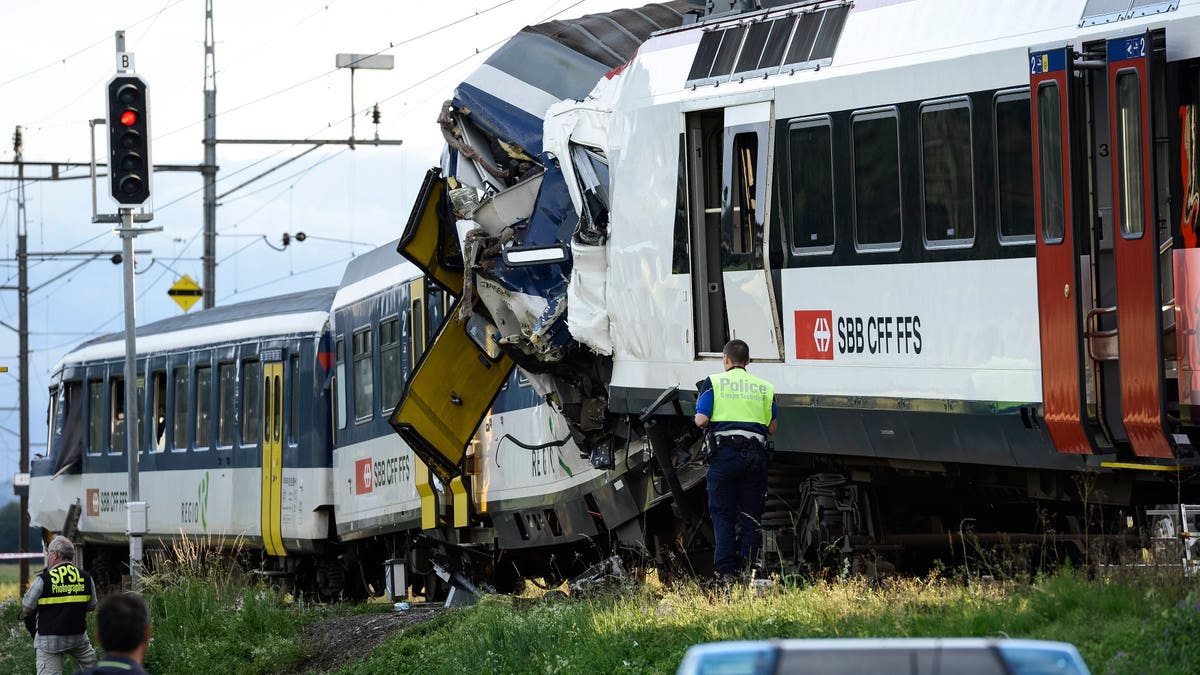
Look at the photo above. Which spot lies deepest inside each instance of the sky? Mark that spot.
(275, 79)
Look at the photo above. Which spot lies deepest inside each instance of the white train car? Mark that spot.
(958, 237)
(233, 433)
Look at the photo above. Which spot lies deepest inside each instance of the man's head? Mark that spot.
(60, 549)
(736, 354)
(123, 624)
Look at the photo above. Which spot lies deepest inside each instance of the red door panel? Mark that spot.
(1139, 307)
(1057, 258)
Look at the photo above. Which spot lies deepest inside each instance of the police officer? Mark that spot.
(739, 410)
(61, 595)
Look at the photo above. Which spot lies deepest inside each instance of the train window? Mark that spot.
(50, 418)
(418, 329)
(810, 168)
(948, 202)
(485, 336)
(116, 404)
(179, 423)
(158, 422)
(276, 406)
(591, 173)
(294, 410)
(390, 369)
(203, 407)
(364, 376)
(96, 415)
(226, 423)
(876, 151)
(1050, 162)
(680, 262)
(251, 402)
(1014, 158)
(742, 234)
(437, 313)
(1129, 154)
(339, 384)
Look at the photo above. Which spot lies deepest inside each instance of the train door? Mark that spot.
(272, 457)
(729, 159)
(454, 382)
(1099, 257)
(1141, 242)
(1057, 217)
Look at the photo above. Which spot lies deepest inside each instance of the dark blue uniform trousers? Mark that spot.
(737, 492)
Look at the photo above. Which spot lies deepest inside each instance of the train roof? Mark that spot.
(372, 272)
(294, 313)
(976, 45)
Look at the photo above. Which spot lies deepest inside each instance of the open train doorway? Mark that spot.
(728, 167)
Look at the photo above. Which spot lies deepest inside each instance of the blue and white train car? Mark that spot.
(233, 431)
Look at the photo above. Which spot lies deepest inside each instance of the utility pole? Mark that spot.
(23, 350)
(210, 162)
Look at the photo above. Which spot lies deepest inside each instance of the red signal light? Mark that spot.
(129, 118)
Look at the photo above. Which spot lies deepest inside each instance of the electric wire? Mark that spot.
(327, 73)
(95, 44)
(153, 284)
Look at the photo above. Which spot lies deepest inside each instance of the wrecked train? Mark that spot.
(959, 238)
(265, 423)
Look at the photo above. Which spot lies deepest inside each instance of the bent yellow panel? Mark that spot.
(428, 239)
(459, 501)
(429, 516)
(447, 397)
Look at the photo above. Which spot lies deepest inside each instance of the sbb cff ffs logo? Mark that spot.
(814, 334)
(129, 166)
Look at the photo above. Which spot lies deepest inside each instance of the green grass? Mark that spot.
(217, 621)
(1118, 626)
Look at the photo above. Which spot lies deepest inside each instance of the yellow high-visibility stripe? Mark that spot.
(1144, 467)
(61, 599)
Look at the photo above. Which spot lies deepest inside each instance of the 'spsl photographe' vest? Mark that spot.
(62, 609)
(739, 396)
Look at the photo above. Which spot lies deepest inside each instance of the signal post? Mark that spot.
(130, 177)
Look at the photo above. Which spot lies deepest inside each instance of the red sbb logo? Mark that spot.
(364, 476)
(814, 334)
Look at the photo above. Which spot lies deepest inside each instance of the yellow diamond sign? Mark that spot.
(185, 292)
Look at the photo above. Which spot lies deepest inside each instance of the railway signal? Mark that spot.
(129, 164)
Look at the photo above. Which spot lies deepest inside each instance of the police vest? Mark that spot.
(62, 609)
(739, 396)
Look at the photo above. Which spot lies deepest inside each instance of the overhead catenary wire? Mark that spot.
(84, 50)
(153, 284)
(327, 73)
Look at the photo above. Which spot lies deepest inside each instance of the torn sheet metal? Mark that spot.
(494, 129)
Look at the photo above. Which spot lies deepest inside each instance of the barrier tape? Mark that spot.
(19, 556)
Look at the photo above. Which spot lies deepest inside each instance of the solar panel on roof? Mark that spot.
(806, 39)
(1097, 12)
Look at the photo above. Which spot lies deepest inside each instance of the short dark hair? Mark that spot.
(738, 352)
(121, 622)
